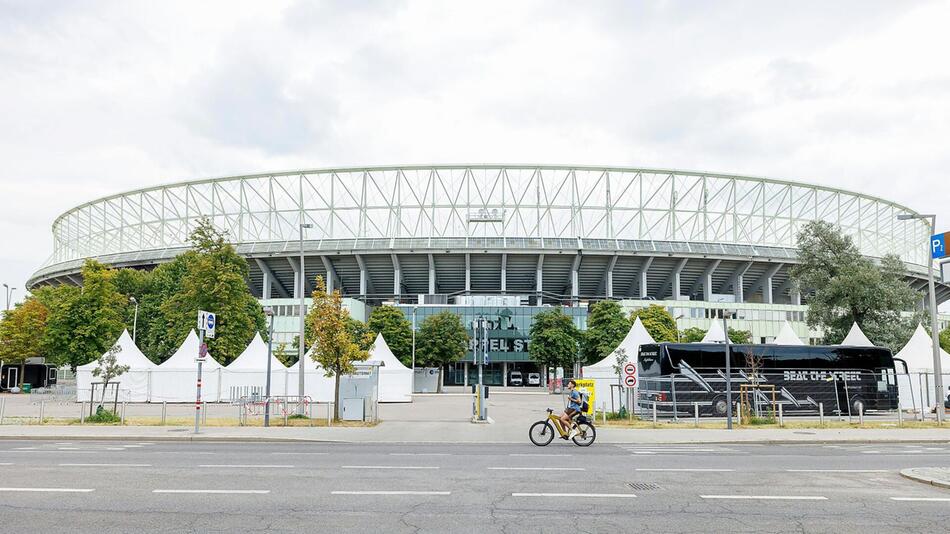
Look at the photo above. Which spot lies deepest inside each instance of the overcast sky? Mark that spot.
(101, 97)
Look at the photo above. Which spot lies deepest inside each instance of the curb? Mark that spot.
(911, 475)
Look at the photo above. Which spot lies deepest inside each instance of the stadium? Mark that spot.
(500, 241)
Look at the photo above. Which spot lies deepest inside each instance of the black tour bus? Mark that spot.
(676, 375)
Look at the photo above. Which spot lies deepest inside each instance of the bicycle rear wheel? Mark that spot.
(541, 433)
(586, 434)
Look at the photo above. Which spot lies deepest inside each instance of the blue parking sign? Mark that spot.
(938, 245)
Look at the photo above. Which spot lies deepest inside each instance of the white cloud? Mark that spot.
(98, 97)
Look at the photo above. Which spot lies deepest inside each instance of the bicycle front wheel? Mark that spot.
(541, 433)
(586, 434)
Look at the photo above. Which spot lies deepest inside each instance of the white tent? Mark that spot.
(134, 384)
(317, 385)
(247, 374)
(395, 379)
(918, 353)
(715, 333)
(175, 379)
(856, 338)
(603, 372)
(787, 336)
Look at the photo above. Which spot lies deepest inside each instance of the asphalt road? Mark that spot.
(268, 487)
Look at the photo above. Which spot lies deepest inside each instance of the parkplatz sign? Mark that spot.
(938, 245)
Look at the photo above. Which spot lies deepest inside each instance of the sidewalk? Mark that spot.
(935, 476)
(465, 432)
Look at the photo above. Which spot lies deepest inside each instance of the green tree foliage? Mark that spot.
(554, 339)
(607, 325)
(658, 322)
(442, 339)
(392, 323)
(845, 287)
(21, 333)
(945, 339)
(693, 334)
(332, 338)
(361, 333)
(83, 323)
(740, 337)
(212, 278)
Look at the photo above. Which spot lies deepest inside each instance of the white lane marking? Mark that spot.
(870, 452)
(60, 451)
(50, 490)
(390, 492)
(768, 497)
(536, 468)
(224, 492)
(389, 467)
(922, 499)
(131, 446)
(6, 463)
(143, 443)
(25, 449)
(65, 443)
(643, 452)
(301, 453)
(419, 454)
(114, 449)
(242, 466)
(105, 465)
(539, 454)
(837, 470)
(69, 448)
(685, 469)
(596, 495)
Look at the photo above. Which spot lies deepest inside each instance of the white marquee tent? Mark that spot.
(856, 338)
(247, 374)
(787, 336)
(175, 379)
(915, 389)
(603, 372)
(395, 379)
(715, 333)
(317, 386)
(134, 384)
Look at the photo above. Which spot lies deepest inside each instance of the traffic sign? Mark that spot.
(630, 369)
(938, 245)
(203, 351)
(630, 381)
(206, 323)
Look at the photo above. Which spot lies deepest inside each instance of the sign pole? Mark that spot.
(725, 330)
(201, 342)
(934, 333)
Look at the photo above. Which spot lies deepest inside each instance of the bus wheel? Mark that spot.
(719, 406)
(858, 406)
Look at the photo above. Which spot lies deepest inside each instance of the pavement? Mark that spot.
(151, 486)
(935, 476)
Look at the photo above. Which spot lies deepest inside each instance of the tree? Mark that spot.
(83, 323)
(21, 333)
(693, 334)
(945, 339)
(360, 333)
(334, 347)
(441, 340)
(845, 287)
(109, 368)
(554, 340)
(658, 322)
(391, 322)
(212, 279)
(740, 337)
(606, 327)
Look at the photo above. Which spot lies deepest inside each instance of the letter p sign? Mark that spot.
(938, 246)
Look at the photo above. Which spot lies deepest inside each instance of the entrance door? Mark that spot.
(12, 377)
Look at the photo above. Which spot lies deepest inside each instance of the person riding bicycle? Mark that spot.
(574, 401)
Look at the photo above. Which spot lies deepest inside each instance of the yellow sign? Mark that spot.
(587, 388)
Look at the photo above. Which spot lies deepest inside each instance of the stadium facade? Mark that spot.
(500, 241)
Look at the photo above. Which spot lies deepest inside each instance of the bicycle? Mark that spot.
(542, 432)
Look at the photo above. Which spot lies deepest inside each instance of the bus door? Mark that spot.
(11, 377)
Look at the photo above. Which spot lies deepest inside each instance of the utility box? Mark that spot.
(359, 392)
(352, 410)
(426, 380)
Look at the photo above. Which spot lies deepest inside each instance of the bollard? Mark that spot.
(285, 411)
(82, 412)
(204, 413)
(781, 416)
(900, 418)
(696, 413)
(654, 414)
(861, 414)
(329, 413)
(821, 414)
(42, 409)
(310, 412)
(122, 418)
(164, 410)
(3, 404)
(604, 410)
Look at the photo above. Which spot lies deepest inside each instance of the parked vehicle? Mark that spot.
(514, 379)
(534, 379)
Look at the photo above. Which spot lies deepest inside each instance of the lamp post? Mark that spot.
(270, 344)
(934, 333)
(135, 321)
(303, 317)
(414, 308)
(725, 330)
(9, 292)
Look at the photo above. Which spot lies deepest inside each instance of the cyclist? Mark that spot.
(574, 401)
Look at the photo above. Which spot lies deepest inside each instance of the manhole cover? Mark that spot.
(642, 486)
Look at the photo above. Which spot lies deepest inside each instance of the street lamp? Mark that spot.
(135, 321)
(302, 284)
(414, 308)
(934, 334)
(9, 291)
(270, 344)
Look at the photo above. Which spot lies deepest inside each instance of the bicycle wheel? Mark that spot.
(541, 433)
(586, 434)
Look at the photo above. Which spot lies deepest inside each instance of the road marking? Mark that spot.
(540, 454)
(50, 490)
(115, 449)
(922, 499)
(65, 443)
(131, 446)
(105, 465)
(242, 466)
(301, 453)
(768, 497)
(419, 454)
(6, 463)
(536, 468)
(69, 448)
(870, 452)
(390, 492)
(597, 495)
(217, 492)
(389, 467)
(25, 449)
(837, 470)
(685, 469)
